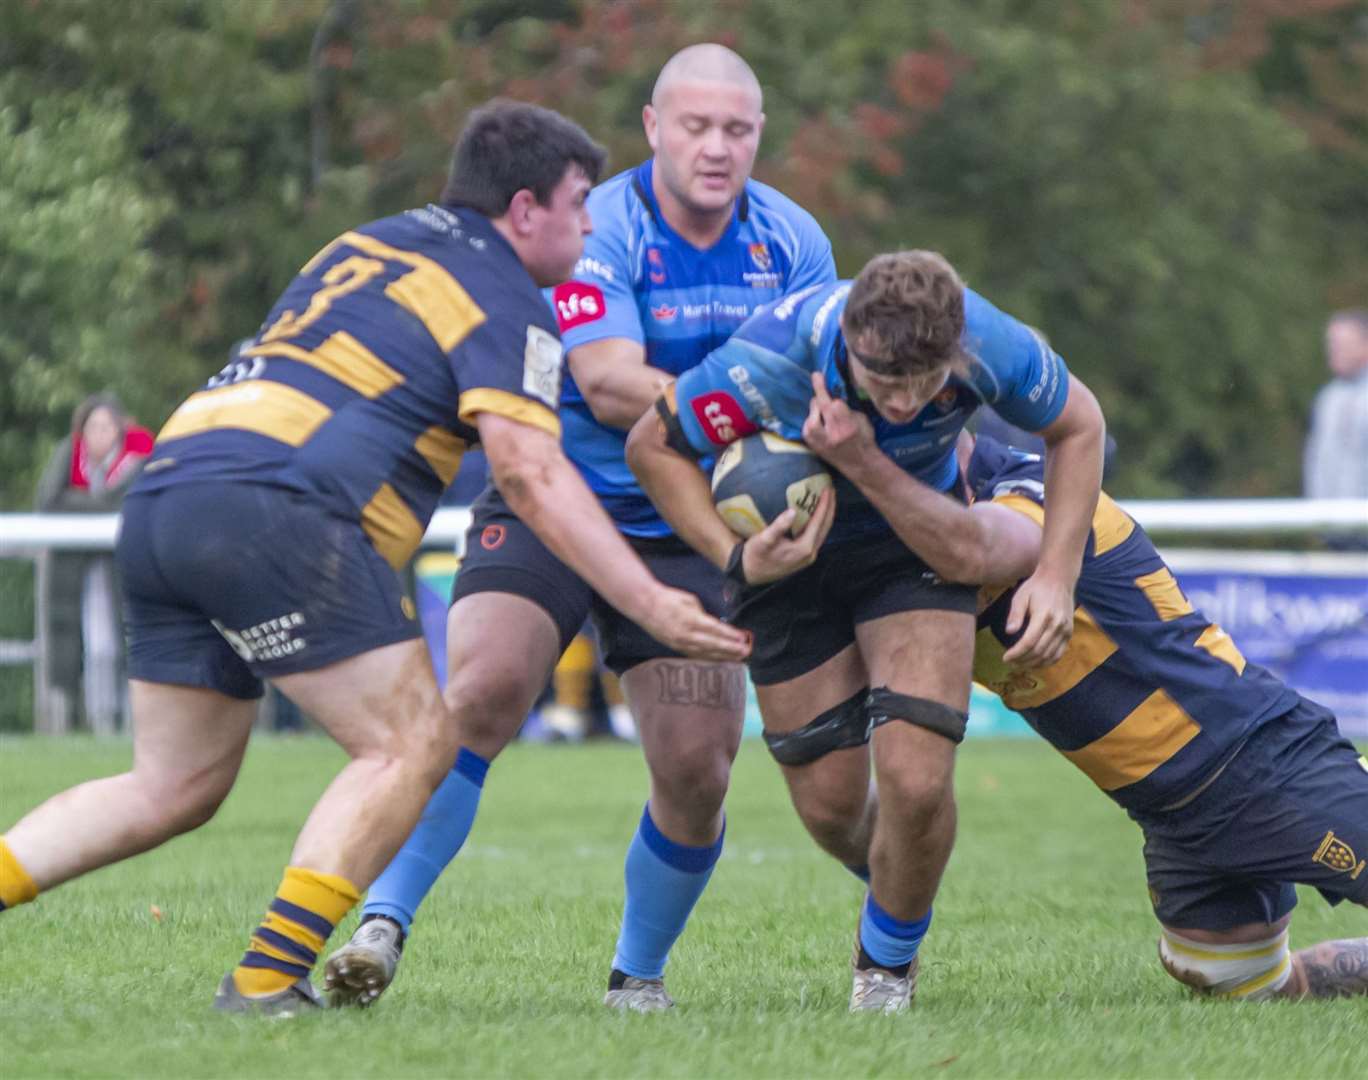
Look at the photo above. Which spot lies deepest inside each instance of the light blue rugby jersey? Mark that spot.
(638, 279)
(762, 379)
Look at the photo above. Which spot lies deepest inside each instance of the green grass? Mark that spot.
(1041, 961)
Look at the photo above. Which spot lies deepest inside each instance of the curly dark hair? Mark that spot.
(905, 314)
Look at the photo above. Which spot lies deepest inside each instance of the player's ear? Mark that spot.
(650, 122)
(520, 209)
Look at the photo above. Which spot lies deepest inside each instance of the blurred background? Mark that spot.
(1175, 191)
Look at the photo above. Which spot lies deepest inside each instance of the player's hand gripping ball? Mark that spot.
(759, 477)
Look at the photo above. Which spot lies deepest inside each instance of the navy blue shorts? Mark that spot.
(802, 621)
(229, 583)
(504, 555)
(1291, 807)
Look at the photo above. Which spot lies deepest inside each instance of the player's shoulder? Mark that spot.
(804, 321)
(985, 324)
(616, 207)
(773, 211)
(996, 470)
(456, 238)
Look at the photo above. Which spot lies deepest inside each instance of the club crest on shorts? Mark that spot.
(492, 538)
(1337, 855)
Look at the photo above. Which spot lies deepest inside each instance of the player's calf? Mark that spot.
(1250, 970)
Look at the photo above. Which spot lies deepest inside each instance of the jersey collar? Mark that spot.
(641, 184)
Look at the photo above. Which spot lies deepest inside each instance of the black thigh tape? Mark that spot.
(839, 728)
(884, 705)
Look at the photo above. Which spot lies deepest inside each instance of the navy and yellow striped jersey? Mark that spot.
(362, 387)
(1151, 695)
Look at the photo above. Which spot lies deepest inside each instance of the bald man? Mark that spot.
(685, 247)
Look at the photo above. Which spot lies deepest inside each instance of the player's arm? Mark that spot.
(976, 545)
(665, 464)
(548, 494)
(1044, 604)
(617, 383)
(1033, 389)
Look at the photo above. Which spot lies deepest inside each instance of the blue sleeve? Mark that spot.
(599, 300)
(760, 378)
(1017, 372)
(815, 264)
(712, 411)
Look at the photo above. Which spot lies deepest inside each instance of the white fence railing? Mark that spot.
(36, 536)
(21, 533)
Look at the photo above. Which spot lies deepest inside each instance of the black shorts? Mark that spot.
(1291, 807)
(504, 555)
(228, 583)
(803, 620)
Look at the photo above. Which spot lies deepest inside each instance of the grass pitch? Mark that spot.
(1041, 961)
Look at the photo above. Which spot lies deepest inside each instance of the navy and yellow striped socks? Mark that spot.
(301, 917)
(16, 887)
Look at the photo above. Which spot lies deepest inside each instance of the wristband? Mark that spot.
(735, 569)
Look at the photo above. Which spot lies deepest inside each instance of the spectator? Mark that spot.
(88, 474)
(1336, 459)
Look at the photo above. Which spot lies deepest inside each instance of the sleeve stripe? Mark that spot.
(1022, 504)
(502, 403)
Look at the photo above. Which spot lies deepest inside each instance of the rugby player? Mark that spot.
(912, 352)
(686, 247)
(1240, 786)
(265, 535)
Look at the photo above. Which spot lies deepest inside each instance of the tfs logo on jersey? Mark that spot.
(722, 418)
(760, 255)
(656, 266)
(577, 303)
(664, 313)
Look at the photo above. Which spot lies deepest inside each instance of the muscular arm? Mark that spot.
(1073, 479)
(976, 545)
(683, 496)
(615, 379)
(679, 489)
(548, 494)
(1044, 603)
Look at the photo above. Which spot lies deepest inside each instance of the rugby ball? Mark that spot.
(759, 477)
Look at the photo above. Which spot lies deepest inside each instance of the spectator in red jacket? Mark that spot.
(88, 473)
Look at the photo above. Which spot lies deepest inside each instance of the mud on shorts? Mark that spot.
(229, 583)
(803, 620)
(504, 555)
(1291, 807)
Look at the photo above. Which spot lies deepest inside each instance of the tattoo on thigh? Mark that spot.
(1336, 968)
(709, 685)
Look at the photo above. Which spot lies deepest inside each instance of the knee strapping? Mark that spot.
(884, 706)
(1250, 970)
(839, 728)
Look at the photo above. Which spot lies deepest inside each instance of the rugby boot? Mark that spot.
(299, 997)
(877, 990)
(358, 973)
(627, 992)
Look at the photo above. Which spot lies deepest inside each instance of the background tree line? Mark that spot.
(1175, 190)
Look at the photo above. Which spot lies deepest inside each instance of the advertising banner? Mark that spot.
(1304, 617)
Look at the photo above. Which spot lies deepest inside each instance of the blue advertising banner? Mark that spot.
(1304, 617)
